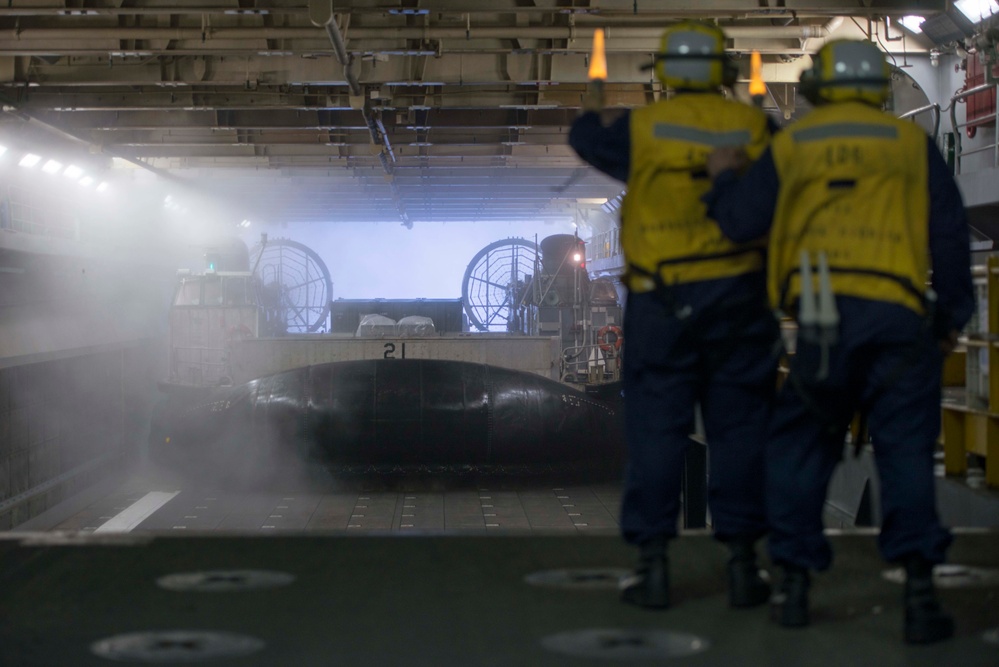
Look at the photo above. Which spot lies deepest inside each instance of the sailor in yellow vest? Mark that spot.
(697, 329)
(859, 206)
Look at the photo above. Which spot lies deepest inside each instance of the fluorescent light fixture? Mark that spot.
(103, 186)
(976, 10)
(29, 160)
(912, 23)
(52, 167)
(244, 224)
(3, 149)
(72, 171)
(86, 181)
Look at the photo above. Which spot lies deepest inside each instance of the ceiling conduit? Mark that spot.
(321, 14)
(623, 33)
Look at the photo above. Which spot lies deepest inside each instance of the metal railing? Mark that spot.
(935, 108)
(590, 364)
(604, 245)
(959, 152)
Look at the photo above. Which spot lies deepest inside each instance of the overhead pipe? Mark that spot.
(407, 32)
(322, 13)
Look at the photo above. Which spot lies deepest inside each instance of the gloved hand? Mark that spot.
(948, 344)
(725, 158)
(593, 98)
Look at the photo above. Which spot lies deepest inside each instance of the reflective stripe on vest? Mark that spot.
(703, 137)
(664, 223)
(845, 131)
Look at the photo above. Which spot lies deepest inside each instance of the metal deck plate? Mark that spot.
(172, 646)
(623, 644)
(224, 581)
(952, 575)
(589, 578)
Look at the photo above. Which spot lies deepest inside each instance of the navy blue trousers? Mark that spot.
(721, 356)
(887, 363)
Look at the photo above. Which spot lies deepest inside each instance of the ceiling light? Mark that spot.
(85, 181)
(52, 167)
(912, 23)
(3, 149)
(72, 171)
(29, 160)
(976, 10)
(103, 186)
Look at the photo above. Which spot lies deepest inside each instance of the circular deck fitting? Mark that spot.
(173, 646)
(951, 575)
(625, 644)
(224, 581)
(581, 578)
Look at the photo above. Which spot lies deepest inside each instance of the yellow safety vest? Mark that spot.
(664, 223)
(853, 183)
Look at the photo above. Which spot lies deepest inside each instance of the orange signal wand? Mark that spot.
(757, 88)
(598, 59)
(598, 73)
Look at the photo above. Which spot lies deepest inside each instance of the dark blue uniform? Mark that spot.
(711, 342)
(886, 362)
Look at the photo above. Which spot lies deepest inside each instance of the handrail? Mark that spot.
(958, 126)
(576, 360)
(936, 117)
(604, 245)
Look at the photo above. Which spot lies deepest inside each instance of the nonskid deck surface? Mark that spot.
(315, 600)
(400, 503)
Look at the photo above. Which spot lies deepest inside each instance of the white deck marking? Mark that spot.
(137, 512)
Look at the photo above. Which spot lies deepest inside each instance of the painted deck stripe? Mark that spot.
(137, 512)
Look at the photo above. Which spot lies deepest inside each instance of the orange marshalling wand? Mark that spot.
(598, 59)
(756, 86)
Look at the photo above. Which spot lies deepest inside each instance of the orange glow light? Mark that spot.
(598, 59)
(756, 85)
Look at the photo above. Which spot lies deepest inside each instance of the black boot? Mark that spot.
(925, 621)
(790, 604)
(746, 588)
(649, 585)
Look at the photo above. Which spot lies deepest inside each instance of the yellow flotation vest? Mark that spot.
(664, 224)
(853, 183)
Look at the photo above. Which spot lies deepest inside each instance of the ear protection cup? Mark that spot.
(730, 72)
(809, 84)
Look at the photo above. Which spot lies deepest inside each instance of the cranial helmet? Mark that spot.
(845, 70)
(692, 57)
